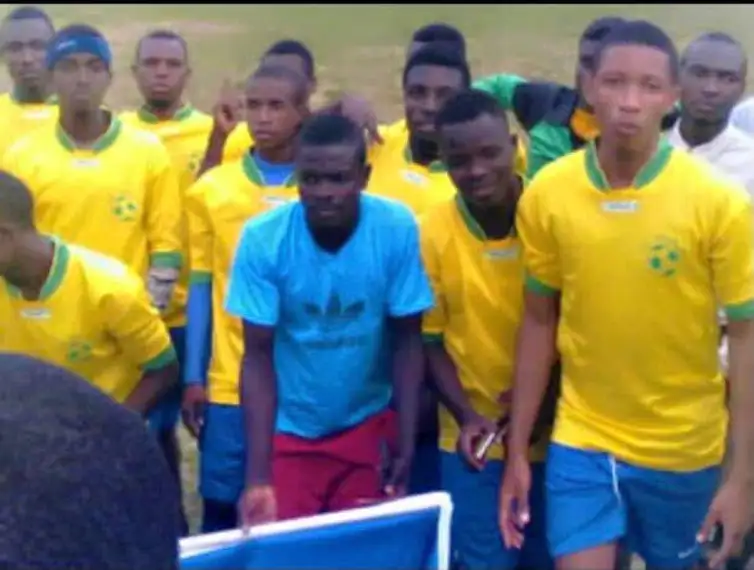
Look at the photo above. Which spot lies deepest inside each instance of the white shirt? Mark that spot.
(742, 116)
(731, 153)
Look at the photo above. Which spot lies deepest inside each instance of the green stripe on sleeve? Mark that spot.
(200, 277)
(536, 286)
(432, 338)
(163, 359)
(166, 260)
(740, 312)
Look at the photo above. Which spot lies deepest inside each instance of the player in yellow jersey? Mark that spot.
(472, 256)
(78, 309)
(126, 202)
(230, 138)
(219, 205)
(637, 244)
(161, 69)
(25, 33)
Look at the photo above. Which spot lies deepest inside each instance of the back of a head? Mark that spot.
(599, 28)
(467, 106)
(640, 33)
(441, 33)
(331, 129)
(16, 202)
(440, 56)
(296, 48)
(83, 484)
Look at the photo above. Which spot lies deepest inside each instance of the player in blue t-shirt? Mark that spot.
(331, 291)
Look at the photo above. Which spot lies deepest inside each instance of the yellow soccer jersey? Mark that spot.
(219, 205)
(120, 198)
(19, 119)
(478, 286)
(93, 317)
(395, 175)
(185, 138)
(238, 143)
(641, 271)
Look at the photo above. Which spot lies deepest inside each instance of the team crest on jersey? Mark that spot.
(664, 256)
(78, 351)
(125, 208)
(414, 177)
(195, 160)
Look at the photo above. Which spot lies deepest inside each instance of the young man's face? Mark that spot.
(24, 47)
(161, 71)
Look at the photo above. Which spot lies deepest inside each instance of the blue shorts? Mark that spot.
(164, 416)
(475, 534)
(594, 499)
(425, 470)
(222, 457)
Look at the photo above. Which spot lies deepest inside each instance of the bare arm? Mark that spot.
(740, 370)
(259, 402)
(445, 377)
(408, 374)
(535, 355)
(152, 386)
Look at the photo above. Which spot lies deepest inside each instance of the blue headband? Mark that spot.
(69, 44)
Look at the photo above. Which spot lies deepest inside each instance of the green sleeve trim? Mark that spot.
(539, 288)
(200, 278)
(740, 312)
(162, 360)
(167, 260)
(432, 338)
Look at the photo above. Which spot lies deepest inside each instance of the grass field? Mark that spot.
(361, 48)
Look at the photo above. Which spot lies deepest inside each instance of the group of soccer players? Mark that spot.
(302, 285)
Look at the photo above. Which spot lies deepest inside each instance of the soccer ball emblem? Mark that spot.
(124, 208)
(664, 256)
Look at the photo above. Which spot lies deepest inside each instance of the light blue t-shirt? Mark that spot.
(329, 310)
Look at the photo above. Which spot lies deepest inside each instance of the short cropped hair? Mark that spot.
(297, 48)
(301, 89)
(599, 28)
(440, 56)
(163, 34)
(84, 484)
(327, 129)
(28, 13)
(640, 33)
(442, 33)
(467, 106)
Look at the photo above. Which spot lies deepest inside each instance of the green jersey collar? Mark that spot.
(255, 175)
(146, 116)
(433, 167)
(647, 174)
(472, 225)
(58, 268)
(102, 143)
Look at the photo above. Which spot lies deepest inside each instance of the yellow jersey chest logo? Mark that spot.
(664, 256)
(125, 208)
(78, 351)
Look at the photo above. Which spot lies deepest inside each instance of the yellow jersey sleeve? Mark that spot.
(239, 141)
(200, 230)
(165, 222)
(732, 257)
(534, 226)
(434, 320)
(136, 325)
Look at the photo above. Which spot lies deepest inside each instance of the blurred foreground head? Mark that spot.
(82, 484)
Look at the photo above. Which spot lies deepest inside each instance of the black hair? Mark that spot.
(600, 27)
(640, 33)
(720, 37)
(469, 105)
(441, 33)
(163, 34)
(281, 72)
(16, 202)
(326, 129)
(84, 484)
(440, 56)
(297, 48)
(28, 13)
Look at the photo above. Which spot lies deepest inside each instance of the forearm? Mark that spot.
(535, 355)
(408, 374)
(259, 401)
(740, 371)
(198, 332)
(213, 156)
(152, 386)
(445, 377)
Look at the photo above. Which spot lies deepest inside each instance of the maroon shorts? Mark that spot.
(336, 472)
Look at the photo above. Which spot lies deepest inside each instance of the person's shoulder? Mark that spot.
(200, 120)
(704, 182)
(738, 140)
(104, 277)
(381, 210)
(558, 174)
(271, 227)
(222, 183)
(137, 137)
(129, 117)
(437, 223)
(31, 150)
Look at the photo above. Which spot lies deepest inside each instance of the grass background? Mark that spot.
(360, 48)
